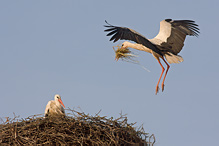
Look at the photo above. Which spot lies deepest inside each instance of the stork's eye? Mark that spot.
(122, 44)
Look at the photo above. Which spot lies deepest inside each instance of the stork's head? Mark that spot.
(58, 98)
(125, 45)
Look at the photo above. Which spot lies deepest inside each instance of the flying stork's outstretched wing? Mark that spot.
(124, 33)
(172, 34)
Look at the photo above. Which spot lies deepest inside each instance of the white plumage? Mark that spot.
(55, 107)
(168, 42)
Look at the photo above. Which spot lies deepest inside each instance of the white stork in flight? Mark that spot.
(55, 107)
(168, 43)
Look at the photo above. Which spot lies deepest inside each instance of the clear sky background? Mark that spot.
(50, 47)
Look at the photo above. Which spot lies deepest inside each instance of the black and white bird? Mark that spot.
(166, 45)
(55, 107)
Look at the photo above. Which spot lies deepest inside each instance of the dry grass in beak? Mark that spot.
(124, 54)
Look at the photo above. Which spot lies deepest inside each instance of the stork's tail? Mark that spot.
(171, 58)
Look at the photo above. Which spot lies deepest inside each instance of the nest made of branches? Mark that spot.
(77, 128)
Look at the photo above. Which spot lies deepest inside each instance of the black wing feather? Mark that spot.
(178, 31)
(188, 26)
(124, 33)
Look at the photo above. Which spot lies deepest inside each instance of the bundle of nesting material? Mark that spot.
(125, 54)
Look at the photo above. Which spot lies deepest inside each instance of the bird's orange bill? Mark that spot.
(61, 102)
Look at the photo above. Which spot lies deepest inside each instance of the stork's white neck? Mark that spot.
(57, 103)
(137, 47)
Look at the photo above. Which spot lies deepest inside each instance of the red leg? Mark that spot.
(168, 66)
(157, 87)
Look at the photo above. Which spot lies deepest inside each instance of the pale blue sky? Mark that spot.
(50, 47)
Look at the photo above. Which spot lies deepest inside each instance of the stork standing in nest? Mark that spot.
(168, 43)
(55, 107)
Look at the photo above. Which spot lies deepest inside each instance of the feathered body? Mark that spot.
(168, 43)
(55, 107)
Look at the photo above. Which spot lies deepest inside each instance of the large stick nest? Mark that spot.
(76, 129)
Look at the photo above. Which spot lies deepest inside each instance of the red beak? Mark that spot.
(61, 102)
